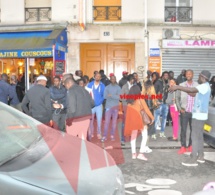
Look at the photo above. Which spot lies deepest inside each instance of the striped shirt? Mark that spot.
(190, 99)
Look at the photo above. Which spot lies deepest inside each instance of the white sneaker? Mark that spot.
(141, 157)
(162, 135)
(158, 128)
(147, 150)
(134, 156)
(153, 137)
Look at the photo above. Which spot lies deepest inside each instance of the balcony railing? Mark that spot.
(42, 14)
(107, 13)
(178, 14)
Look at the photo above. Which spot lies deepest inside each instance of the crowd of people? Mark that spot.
(73, 102)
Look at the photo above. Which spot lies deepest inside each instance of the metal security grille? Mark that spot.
(195, 59)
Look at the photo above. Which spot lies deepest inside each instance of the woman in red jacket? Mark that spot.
(134, 122)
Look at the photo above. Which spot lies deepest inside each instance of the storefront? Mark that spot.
(197, 55)
(33, 53)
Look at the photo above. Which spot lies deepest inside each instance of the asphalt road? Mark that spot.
(166, 165)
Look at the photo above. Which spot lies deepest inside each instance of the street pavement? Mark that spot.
(164, 165)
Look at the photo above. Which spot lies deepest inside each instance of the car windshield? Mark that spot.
(17, 133)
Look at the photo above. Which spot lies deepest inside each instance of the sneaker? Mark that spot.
(141, 157)
(201, 160)
(162, 135)
(147, 150)
(153, 137)
(190, 162)
(134, 156)
(182, 150)
(99, 136)
(103, 139)
(189, 149)
(122, 143)
(112, 138)
(172, 139)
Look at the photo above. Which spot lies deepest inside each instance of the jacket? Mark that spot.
(78, 103)
(5, 92)
(133, 119)
(98, 94)
(123, 81)
(37, 103)
(161, 88)
(59, 95)
(181, 97)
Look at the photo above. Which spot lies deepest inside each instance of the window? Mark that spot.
(107, 10)
(39, 10)
(178, 11)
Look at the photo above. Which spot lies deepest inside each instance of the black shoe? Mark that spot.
(172, 139)
(190, 162)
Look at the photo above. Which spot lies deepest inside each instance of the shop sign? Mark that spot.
(155, 64)
(154, 52)
(188, 44)
(26, 54)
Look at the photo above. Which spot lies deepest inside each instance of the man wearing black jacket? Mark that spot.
(58, 96)
(37, 101)
(78, 104)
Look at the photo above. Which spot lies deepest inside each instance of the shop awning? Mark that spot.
(32, 44)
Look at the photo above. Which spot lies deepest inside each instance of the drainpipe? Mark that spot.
(146, 37)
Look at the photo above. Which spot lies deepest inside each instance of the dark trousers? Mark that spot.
(185, 119)
(197, 138)
(151, 128)
(59, 121)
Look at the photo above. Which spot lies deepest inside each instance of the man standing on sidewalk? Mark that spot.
(185, 102)
(37, 101)
(58, 96)
(112, 95)
(161, 87)
(199, 116)
(78, 105)
(97, 93)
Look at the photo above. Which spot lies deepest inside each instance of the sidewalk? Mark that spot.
(160, 143)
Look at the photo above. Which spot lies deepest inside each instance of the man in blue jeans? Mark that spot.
(161, 87)
(97, 92)
(112, 96)
(199, 116)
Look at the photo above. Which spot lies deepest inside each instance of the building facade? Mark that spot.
(111, 35)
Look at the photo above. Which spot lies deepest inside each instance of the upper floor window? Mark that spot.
(37, 11)
(178, 11)
(107, 10)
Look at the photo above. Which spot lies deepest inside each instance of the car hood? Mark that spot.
(67, 165)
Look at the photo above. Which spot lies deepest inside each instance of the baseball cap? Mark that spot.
(41, 77)
(111, 74)
(124, 72)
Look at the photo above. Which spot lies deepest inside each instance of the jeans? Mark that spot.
(98, 111)
(134, 138)
(185, 119)
(174, 115)
(110, 113)
(197, 139)
(162, 110)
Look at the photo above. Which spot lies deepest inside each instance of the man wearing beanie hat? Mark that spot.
(199, 116)
(39, 101)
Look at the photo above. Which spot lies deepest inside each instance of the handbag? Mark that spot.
(145, 117)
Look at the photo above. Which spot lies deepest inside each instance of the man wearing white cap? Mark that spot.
(38, 98)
